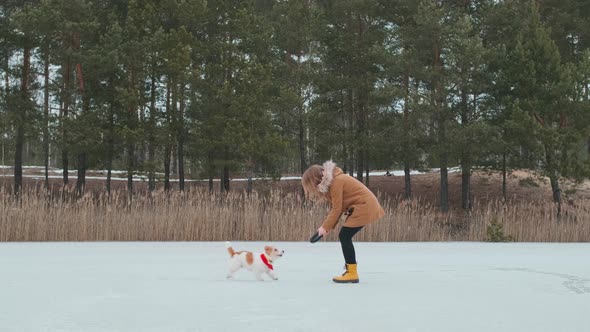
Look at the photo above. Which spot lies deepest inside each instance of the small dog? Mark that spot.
(257, 263)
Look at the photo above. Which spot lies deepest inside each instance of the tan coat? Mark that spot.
(344, 193)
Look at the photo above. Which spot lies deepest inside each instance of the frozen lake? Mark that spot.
(172, 286)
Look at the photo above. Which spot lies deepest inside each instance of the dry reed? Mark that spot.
(276, 216)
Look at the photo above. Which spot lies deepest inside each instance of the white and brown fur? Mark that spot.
(252, 261)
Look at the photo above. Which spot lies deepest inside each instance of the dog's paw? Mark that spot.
(275, 278)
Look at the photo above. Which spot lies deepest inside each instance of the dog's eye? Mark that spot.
(275, 250)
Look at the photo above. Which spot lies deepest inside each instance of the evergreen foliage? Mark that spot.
(209, 89)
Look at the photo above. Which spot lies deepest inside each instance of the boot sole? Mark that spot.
(354, 281)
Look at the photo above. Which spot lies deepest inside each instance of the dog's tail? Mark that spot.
(230, 250)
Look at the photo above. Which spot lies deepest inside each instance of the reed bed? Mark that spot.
(198, 215)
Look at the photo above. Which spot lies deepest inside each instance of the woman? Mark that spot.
(346, 195)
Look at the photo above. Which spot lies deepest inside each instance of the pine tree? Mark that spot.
(406, 135)
(23, 107)
(235, 117)
(501, 23)
(131, 93)
(352, 38)
(467, 84)
(293, 23)
(108, 56)
(432, 20)
(545, 89)
(7, 49)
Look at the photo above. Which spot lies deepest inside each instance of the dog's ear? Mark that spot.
(268, 250)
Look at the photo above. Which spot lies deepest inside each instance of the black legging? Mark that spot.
(345, 236)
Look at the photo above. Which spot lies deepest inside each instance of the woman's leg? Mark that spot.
(345, 236)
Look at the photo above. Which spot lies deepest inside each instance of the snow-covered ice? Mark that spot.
(181, 286)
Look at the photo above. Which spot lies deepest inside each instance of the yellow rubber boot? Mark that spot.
(349, 276)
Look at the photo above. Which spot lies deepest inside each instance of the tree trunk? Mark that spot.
(225, 179)
(553, 178)
(302, 159)
(109, 175)
(167, 167)
(465, 158)
(167, 142)
(81, 176)
(20, 119)
(504, 171)
(8, 106)
(130, 153)
(443, 156)
(140, 148)
(111, 145)
(151, 136)
(250, 186)
(173, 127)
(174, 158)
(407, 182)
(130, 168)
(444, 186)
(65, 111)
(556, 192)
(151, 173)
(181, 139)
(18, 156)
(361, 107)
(347, 167)
(438, 101)
(406, 137)
(348, 134)
(64, 158)
(81, 180)
(466, 186)
(131, 109)
(360, 167)
(361, 141)
(46, 116)
(210, 171)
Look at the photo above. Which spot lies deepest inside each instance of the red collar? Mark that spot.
(265, 261)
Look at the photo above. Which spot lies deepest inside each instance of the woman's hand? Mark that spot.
(322, 231)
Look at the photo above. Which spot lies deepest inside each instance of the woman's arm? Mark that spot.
(336, 202)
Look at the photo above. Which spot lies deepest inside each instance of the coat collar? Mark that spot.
(330, 171)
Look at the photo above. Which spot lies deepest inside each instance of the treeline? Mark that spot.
(264, 87)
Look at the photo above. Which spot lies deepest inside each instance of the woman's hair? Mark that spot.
(310, 180)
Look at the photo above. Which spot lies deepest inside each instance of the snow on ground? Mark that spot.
(121, 175)
(172, 286)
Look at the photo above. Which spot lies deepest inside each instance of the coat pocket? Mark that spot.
(357, 213)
